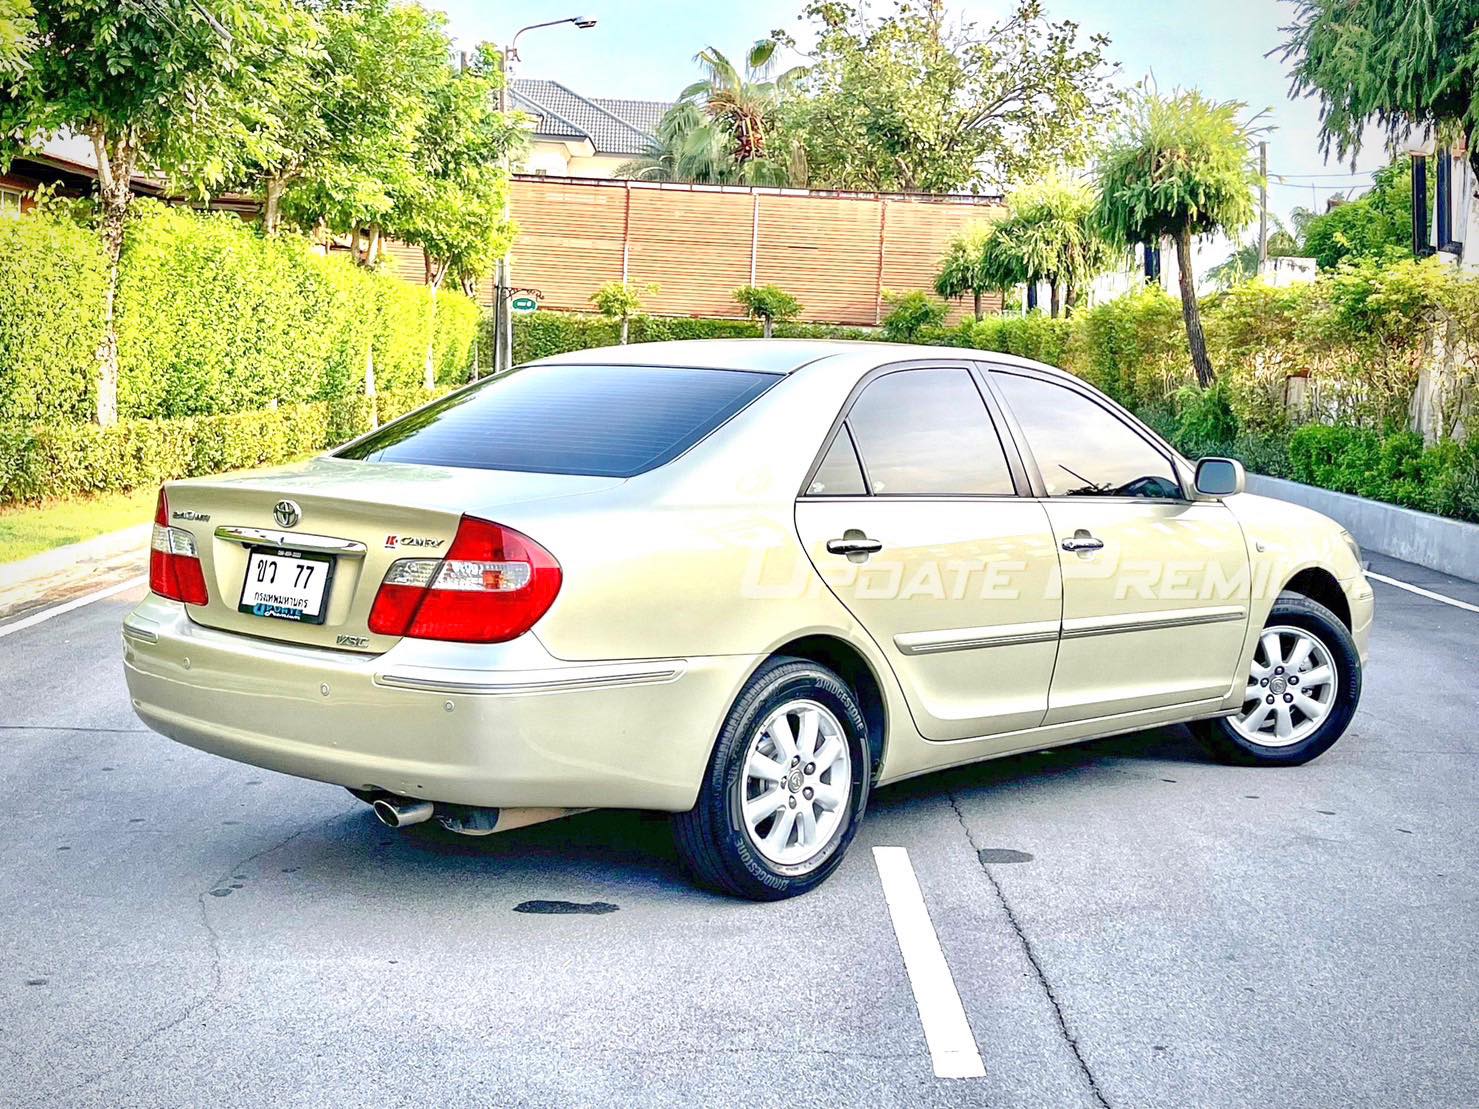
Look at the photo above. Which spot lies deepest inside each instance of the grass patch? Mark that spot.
(31, 529)
(36, 528)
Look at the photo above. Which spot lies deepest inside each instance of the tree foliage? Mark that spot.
(1180, 166)
(1403, 66)
(621, 300)
(154, 88)
(17, 23)
(1376, 225)
(767, 303)
(721, 131)
(451, 204)
(1052, 228)
(976, 263)
(913, 101)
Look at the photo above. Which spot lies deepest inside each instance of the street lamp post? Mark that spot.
(503, 320)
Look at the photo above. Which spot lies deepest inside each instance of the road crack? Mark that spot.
(214, 940)
(71, 728)
(1032, 959)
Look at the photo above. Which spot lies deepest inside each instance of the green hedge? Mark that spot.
(43, 461)
(1396, 468)
(212, 318)
(1359, 334)
(542, 334)
(52, 278)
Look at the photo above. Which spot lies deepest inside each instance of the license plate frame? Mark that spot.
(283, 613)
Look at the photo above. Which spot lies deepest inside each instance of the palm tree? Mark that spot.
(720, 130)
(978, 261)
(1182, 166)
(1052, 229)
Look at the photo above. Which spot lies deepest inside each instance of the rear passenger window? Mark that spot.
(839, 475)
(607, 421)
(928, 432)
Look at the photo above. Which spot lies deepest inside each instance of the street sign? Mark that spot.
(524, 304)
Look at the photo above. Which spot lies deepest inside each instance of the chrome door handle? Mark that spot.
(854, 543)
(1081, 541)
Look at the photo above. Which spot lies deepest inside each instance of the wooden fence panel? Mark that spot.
(916, 235)
(824, 252)
(694, 245)
(569, 243)
(833, 252)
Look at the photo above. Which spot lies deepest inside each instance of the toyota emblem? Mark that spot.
(287, 514)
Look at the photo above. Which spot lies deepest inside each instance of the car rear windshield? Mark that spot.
(607, 421)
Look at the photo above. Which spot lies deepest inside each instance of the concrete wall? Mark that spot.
(1449, 546)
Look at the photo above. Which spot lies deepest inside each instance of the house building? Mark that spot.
(68, 163)
(579, 136)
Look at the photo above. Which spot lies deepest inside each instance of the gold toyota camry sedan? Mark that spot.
(743, 582)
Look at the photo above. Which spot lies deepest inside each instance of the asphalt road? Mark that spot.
(181, 930)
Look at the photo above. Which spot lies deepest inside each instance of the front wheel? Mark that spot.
(785, 789)
(1301, 693)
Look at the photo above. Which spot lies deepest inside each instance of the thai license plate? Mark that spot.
(286, 584)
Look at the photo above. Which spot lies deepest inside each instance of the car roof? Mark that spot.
(777, 356)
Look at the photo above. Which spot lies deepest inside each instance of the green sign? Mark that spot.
(524, 304)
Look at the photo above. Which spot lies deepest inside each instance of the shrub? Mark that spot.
(767, 303)
(541, 334)
(42, 461)
(51, 322)
(1397, 468)
(911, 314)
(212, 318)
(1205, 423)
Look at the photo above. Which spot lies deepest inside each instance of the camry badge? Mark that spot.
(287, 514)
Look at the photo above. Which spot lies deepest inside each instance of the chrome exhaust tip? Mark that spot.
(400, 812)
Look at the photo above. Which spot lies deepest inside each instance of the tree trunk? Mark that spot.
(976, 297)
(766, 326)
(1190, 312)
(371, 245)
(1070, 299)
(271, 207)
(116, 157)
(623, 331)
(434, 275)
(370, 383)
(1053, 300)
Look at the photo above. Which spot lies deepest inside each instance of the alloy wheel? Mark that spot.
(796, 783)
(1291, 689)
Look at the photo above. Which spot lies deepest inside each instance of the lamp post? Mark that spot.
(503, 321)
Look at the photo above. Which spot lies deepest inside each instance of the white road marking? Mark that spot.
(57, 610)
(1421, 592)
(952, 1046)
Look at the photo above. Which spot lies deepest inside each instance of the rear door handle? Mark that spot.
(1082, 541)
(854, 544)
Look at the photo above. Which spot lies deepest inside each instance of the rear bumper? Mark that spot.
(502, 725)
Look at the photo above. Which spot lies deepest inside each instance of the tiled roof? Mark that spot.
(644, 115)
(612, 126)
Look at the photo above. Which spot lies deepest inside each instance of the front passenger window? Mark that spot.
(1083, 449)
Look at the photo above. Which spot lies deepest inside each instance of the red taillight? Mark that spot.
(492, 586)
(174, 562)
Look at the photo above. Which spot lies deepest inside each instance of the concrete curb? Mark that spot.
(94, 563)
(1437, 542)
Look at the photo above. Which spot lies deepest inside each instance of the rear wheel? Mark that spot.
(1301, 692)
(785, 789)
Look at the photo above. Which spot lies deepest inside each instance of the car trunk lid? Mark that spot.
(338, 524)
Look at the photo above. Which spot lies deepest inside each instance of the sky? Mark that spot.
(644, 49)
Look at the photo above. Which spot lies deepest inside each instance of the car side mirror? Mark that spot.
(1219, 477)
